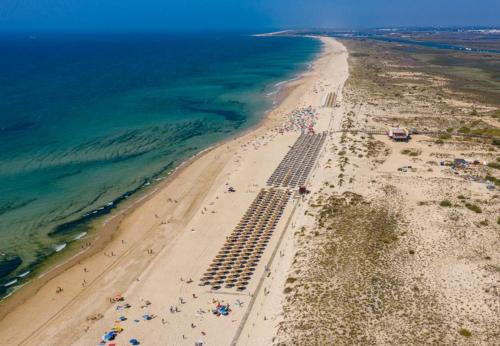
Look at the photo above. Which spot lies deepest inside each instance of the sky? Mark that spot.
(113, 15)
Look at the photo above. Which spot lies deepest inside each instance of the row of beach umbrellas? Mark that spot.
(238, 258)
(295, 167)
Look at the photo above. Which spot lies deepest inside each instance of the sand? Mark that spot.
(170, 239)
(397, 267)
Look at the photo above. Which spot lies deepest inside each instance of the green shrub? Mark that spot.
(446, 203)
(464, 129)
(464, 332)
(492, 179)
(495, 165)
(490, 131)
(411, 152)
(474, 208)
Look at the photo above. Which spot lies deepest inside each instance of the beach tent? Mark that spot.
(109, 336)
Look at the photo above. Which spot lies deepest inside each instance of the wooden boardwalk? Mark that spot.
(432, 133)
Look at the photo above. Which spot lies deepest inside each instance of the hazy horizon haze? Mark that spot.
(132, 15)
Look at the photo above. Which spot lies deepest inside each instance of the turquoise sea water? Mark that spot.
(88, 120)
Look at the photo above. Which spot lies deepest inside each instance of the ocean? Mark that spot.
(90, 120)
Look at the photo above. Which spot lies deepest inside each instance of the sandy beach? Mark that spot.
(161, 248)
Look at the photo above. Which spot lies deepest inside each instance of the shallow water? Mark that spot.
(86, 121)
(429, 44)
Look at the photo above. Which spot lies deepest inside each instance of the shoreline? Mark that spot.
(99, 227)
(110, 227)
(59, 236)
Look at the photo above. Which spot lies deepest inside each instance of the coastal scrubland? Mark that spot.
(399, 244)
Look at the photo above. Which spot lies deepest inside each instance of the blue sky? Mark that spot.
(241, 14)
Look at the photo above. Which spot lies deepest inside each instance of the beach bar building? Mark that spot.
(399, 134)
